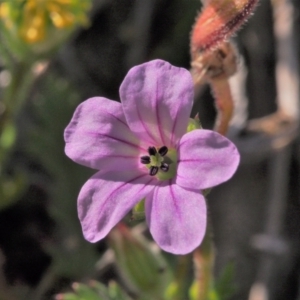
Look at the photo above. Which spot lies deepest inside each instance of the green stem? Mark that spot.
(14, 97)
(203, 257)
(6, 56)
(15, 94)
(178, 289)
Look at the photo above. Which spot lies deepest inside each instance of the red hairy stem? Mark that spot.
(214, 59)
(224, 104)
(215, 67)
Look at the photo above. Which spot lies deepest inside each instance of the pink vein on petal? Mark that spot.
(173, 129)
(121, 121)
(120, 155)
(126, 125)
(181, 143)
(145, 127)
(124, 183)
(158, 118)
(116, 139)
(189, 160)
(173, 200)
(193, 160)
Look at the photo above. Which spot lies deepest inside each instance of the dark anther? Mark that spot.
(164, 167)
(163, 150)
(153, 171)
(145, 160)
(152, 151)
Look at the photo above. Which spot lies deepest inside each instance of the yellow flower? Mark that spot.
(5, 13)
(35, 18)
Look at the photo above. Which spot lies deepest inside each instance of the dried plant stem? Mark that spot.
(287, 73)
(271, 243)
(215, 68)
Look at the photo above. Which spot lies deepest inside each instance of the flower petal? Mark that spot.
(176, 217)
(98, 136)
(205, 159)
(157, 99)
(102, 204)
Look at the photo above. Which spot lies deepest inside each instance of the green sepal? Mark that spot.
(193, 124)
(138, 211)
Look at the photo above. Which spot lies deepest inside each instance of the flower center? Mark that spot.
(161, 162)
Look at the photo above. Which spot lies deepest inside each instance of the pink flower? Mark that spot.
(141, 150)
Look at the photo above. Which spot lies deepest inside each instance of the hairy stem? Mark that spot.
(224, 104)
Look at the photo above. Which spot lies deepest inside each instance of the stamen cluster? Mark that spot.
(155, 160)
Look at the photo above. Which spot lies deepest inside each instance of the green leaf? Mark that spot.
(51, 109)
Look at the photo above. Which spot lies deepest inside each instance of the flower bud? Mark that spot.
(218, 21)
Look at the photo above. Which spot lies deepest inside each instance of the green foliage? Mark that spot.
(51, 112)
(225, 285)
(143, 269)
(11, 187)
(94, 291)
(222, 289)
(8, 136)
(182, 278)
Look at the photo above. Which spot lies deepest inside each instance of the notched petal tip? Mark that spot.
(157, 99)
